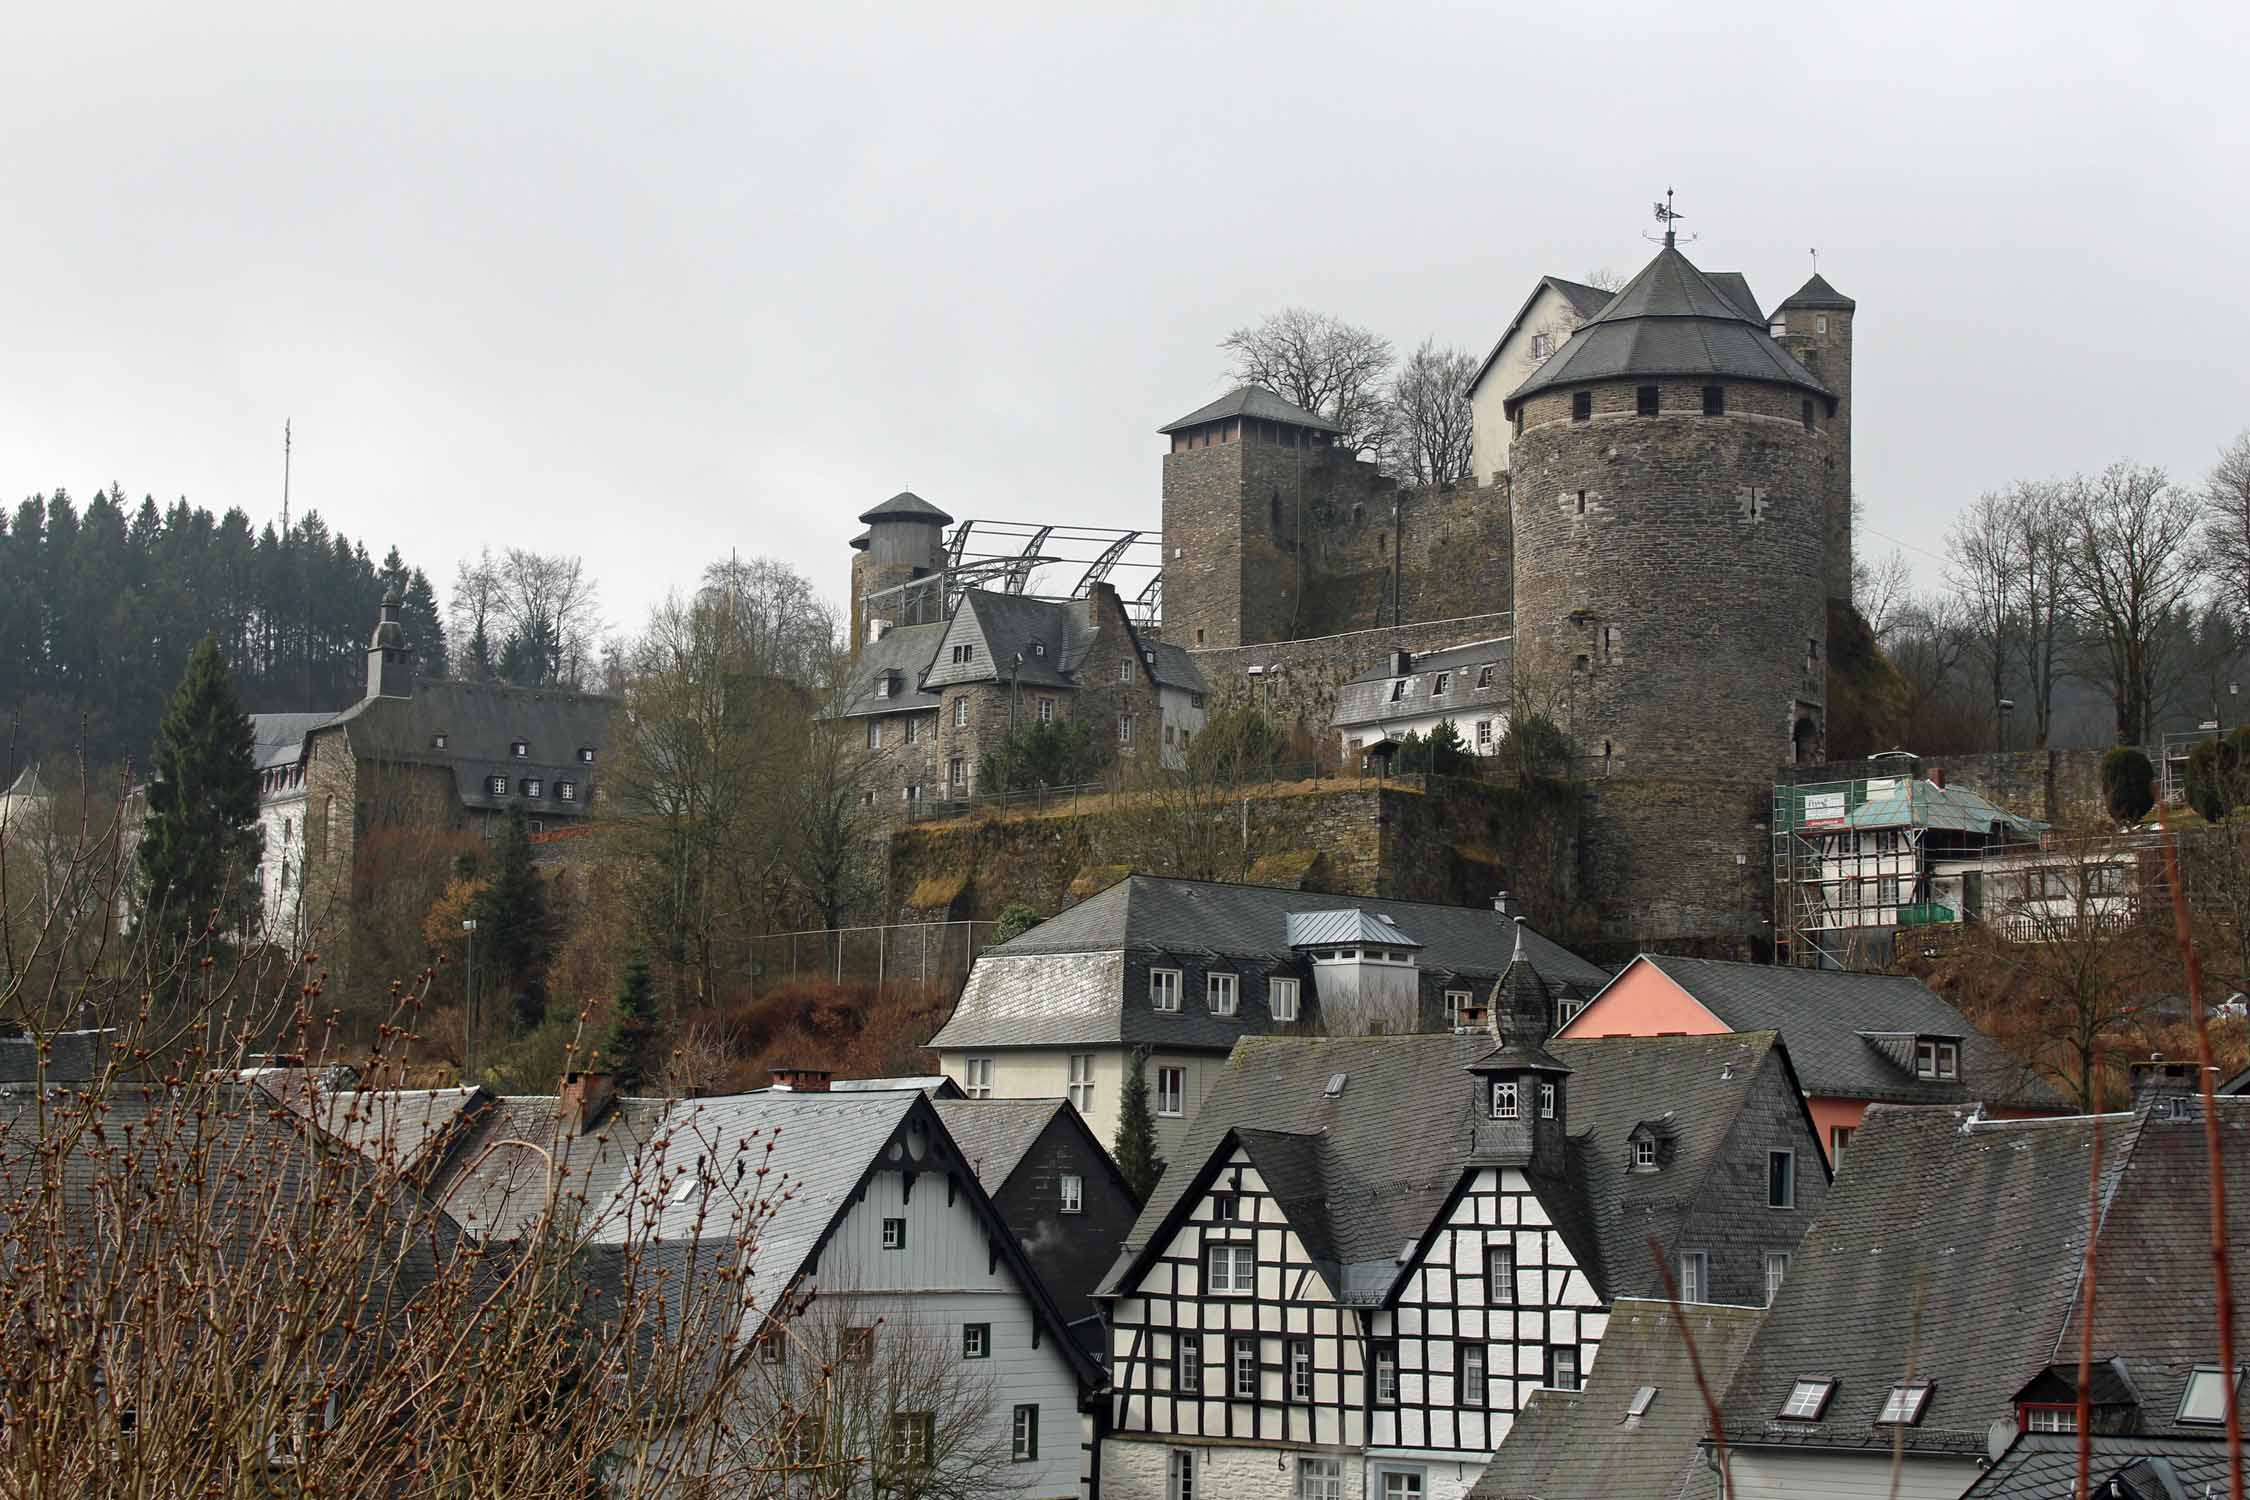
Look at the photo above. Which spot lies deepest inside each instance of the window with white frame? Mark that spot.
(976, 1077)
(1242, 1368)
(1320, 1479)
(913, 728)
(567, 790)
(1839, 1136)
(1904, 1405)
(1046, 710)
(1232, 1271)
(1546, 1101)
(1443, 683)
(1808, 1398)
(1124, 729)
(1781, 1179)
(1220, 991)
(1566, 1011)
(1777, 1271)
(1403, 1484)
(1937, 1059)
(1179, 1475)
(1171, 1092)
(894, 1234)
(1023, 1444)
(874, 734)
(2207, 1393)
(1500, 1275)
(1562, 1367)
(1386, 1374)
(976, 1341)
(1695, 1276)
(1073, 1193)
(497, 786)
(534, 787)
(1300, 1370)
(1164, 989)
(913, 1438)
(1504, 1103)
(1484, 736)
(1454, 1000)
(1081, 1086)
(961, 712)
(1226, 1208)
(1468, 1379)
(1281, 999)
(2050, 1419)
(520, 749)
(1187, 1362)
(1644, 1152)
(586, 755)
(1125, 670)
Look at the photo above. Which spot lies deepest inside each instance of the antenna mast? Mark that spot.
(285, 445)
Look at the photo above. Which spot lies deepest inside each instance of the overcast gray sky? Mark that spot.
(653, 283)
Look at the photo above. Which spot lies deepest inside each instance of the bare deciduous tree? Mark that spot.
(1329, 367)
(1882, 588)
(1431, 426)
(2130, 558)
(2226, 496)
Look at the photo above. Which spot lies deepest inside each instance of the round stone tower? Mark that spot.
(1670, 494)
(904, 541)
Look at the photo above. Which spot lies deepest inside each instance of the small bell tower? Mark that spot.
(1522, 1090)
(390, 655)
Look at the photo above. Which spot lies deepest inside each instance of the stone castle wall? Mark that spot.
(1297, 685)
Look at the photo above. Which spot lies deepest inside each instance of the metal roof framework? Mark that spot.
(1044, 560)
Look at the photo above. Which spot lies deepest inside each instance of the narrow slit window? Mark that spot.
(1644, 400)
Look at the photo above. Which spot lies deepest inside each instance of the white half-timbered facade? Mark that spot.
(1393, 1242)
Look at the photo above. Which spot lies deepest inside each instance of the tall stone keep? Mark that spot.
(1670, 489)
(904, 541)
(1815, 325)
(1237, 479)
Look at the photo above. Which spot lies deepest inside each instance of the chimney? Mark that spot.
(802, 1080)
(1937, 776)
(584, 1098)
(1402, 661)
(1473, 1017)
(1506, 904)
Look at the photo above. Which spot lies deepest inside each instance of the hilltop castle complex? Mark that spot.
(1647, 552)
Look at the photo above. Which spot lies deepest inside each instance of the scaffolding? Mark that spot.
(1857, 863)
(1035, 560)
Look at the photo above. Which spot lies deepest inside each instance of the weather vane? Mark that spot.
(1670, 217)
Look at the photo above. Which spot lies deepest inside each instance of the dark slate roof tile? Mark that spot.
(905, 506)
(2044, 1466)
(1817, 293)
(1255, 402)
(993, 1134)
(906, 651)
(1366, 699)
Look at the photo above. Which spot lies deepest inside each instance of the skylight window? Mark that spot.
(1807, 1400)
(1641, 1400)
(2205, 1399)
(1336, 1084)
(1903, 1407)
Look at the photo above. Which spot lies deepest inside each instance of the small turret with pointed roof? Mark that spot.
(904, 542)
(390, 655)
(1521, 1088)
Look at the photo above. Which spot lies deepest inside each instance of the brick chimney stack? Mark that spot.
(584, 1098)
(802, 1080)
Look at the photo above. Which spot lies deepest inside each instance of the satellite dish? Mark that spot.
(1997, 1437)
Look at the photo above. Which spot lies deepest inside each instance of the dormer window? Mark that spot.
(1807, 1400)
(1904, 1406)
(585, 755)
(883, 684)
(1038, 648)
(496, 786)
(1398, 691)
(567, 790)
(519, 749)
(437, 741)
(1444, 681)
(532, 786)
(2047, 1417)
(1504, 1102)
(1937, 1059)
(1221, 991)
(1484, 677)
(1644, 1152)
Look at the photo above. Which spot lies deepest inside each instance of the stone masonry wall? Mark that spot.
(1678, 865)
(2063, 787)
(1133, 1468)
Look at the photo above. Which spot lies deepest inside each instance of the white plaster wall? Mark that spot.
(281, 867)
(1181, 716)
(1779, 1474)
(1044, 1073)
(1445, 1476)
(1135, 1469)
(1465, 722)
(1550, 313)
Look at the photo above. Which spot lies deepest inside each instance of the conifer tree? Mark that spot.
(1136, 1131)
(512, 920)
(630, 1048)
(200, 843)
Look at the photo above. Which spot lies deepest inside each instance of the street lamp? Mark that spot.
(469, 1026)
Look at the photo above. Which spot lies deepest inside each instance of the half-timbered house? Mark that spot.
(1375, 1249)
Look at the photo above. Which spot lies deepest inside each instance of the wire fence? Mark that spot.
(921, 953)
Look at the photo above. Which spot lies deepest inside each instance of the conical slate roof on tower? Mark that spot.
(1671, 320)
(906, 506)
(1523, 1013)
(1817, 293)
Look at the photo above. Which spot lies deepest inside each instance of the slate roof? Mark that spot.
(279, 739)
(1670, 320)
(1347, 924)
(1585, 1445)
(1366, 699)
(905, 506)
(1735, 287)
(1255, 402)
(1066, 979)
(499, 1191)
(2044, 1466)
(72, 1056)
(1584, 300)
(399, 1128)
(480, 720)
(905, 650)
(1392, 1146)
(936, 1085)
(1817, 293)
(993, 1134)
(1841, 1027)
(27, 783)
(1978, 1227)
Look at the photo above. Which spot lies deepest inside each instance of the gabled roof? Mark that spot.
(72, 1056)
(905, 506)
(1958, 1242)
(1065, 980)
(1584, 300)
(936, 1085)
(1395, 1143)
(405, 1129)
(480, 722)
(1817, 293)
(1257, 403)
(2044, 1466)
(1587, 1445)
(1912, 803)
(905, 650)
(993, 1134)
(1851, 1036)
(1670, 320)
(1366, 699)
(279, 739)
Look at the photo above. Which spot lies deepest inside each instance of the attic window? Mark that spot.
(1641, 1400)
(496, 786)
(1936, 1059)
(585, 755)
(1644, 1153)
(1444, 681)
(1807, 1400)
(1484, 677)
(567, 790)
(1542, 345)
(1398, 690)
(437, 741)
(1903, 1407)
(1778, 328)
(1038, 648)
(1336, 1082)
(519, 749)
(961, 654)
(2205, 1399)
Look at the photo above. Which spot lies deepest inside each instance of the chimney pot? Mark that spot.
(583, 1099)
(1937, 776)
(802, 1080)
